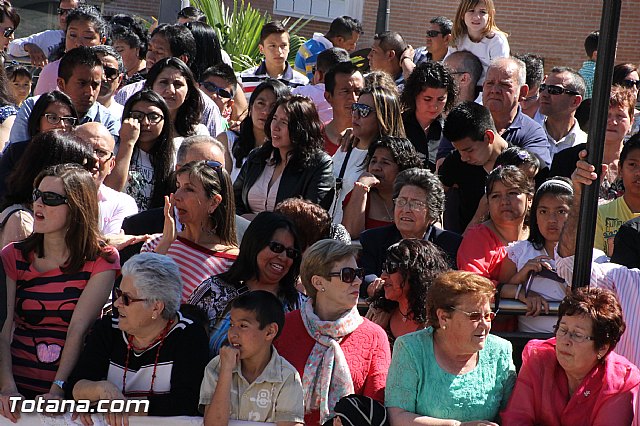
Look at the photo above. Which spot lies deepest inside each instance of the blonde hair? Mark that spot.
(319, 260)
(460, 28)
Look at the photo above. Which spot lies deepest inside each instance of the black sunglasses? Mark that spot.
(279, 248)
(111, 73)
(212, 88)
(348, 274)
(627, 83)
(49, 198)
(126, 299)
(433, 33)
(8, 32)
(362, 110)
(556, 90)
(390, 267)
(62, 11)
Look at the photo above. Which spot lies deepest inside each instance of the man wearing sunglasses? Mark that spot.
(219, 82)
(114, 206)
(114, 72)
(438, 36)
(39, 46)
(560, 96)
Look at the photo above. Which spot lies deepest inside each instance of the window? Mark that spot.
(319, 10)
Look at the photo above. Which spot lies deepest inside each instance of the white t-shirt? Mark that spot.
(352, 172)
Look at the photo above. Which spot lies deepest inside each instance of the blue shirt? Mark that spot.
(307, 55)
(97, 113)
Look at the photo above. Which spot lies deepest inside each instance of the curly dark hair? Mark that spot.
(603, 309)
(246, 138)
(189, 113)
(429, 74)
(312, 222)
(401, 149)
(305, 131)
(420, 262)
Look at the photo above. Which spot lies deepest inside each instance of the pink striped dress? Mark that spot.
(196, 263)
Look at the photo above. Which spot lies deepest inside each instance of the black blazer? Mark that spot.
(315, 182)
(376, 241)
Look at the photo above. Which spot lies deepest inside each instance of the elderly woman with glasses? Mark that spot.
(335, 350)
(453, 372)
(575, 378)
(150, 351)
(419, 203)
(207, 243)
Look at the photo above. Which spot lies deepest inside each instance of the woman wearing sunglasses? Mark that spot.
(399, 306)
(9, 21)
(430, 92)
(291, 163)
(269, 259)
(173, 80)
(206, 244)
(575, 378)
(377, 113)
(45, 150)
(58, 280)
(150, 351)
(370, 203)
(252, 132)
(146, 154)
(454, 371)
(334, 349)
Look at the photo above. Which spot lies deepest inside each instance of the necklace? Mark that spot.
(131, 346)
(404, 316)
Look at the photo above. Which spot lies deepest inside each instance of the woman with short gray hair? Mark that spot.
(169, 350)
(418, 198)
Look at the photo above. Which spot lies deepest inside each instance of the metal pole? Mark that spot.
(595, 143)
(382, 18)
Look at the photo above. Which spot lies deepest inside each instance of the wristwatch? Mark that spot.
(59, 383)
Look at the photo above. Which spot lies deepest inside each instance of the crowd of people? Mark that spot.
(313, 243)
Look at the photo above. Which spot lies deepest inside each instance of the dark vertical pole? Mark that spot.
(595, 144)
(382, 19)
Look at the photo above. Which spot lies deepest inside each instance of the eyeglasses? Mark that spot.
(361, 109)
(111, 73)
(626, 83)
(152, 117)
(576, 337)
(556, 90)
(126, 299)
(279, 248)
(415, 205)
(102, 154)
(212, 88)
(389, 267)
(8, 32)
(348, 274)
(50, 199)
(477, 316)
(56, 119)
(433, 33)
(62, 11)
